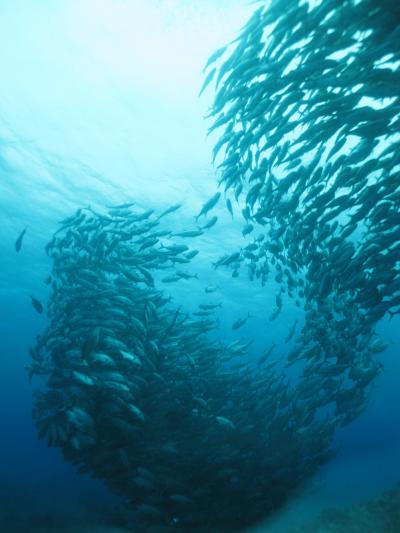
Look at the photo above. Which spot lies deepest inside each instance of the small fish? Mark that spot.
(169, 210)
(247, 229)
(121, 206)
(275, 314)
(266, 354)
(176, 248)
(83, 379)
(191, 254)
(225, 422)
(240, 322)
(189, 233)
(291, 332)
(90, 343)
(210, 306)
(37, 305)
(210, 288)
(229, 206)
(212, 202)
(213, 57)
(180, 498)
(186, 275)
(170, 279)
(208, 79)
(131, 357)
(136, 411)
(210, 223)
(18, 242)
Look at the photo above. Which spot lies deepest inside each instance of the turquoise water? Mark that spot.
(99, 106)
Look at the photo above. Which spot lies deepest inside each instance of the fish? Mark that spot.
(240, 322)
(228, 259)
(190, 255)
(37, 305)
(276, 78)
(212, 202)
(101, 359)
(82, 379)
(189, 233)
(291, 332)
(171, 279)
(176, 249)
(215, 56)
(210, 289)
(208, 79)
(185, 275)
(91, 343)
(210, 306)
(126, 205)
(225, 422)
(136, 412)
(180, 499)
(229, 206)
(275, 314)
(169, 210)
(210, 223)
(131, 357)
(18, 242)
(264, 356)
(247, 229)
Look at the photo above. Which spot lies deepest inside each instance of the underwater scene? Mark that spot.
(200, 252)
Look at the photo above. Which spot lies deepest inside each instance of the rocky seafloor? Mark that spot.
(381, 515)
(29, 512)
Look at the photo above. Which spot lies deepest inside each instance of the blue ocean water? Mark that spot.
(99, 105)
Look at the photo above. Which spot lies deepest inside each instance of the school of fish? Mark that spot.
(308, 101)
(193, 433)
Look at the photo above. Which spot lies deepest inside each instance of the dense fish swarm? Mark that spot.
(186, 429)
(191, 432)
(309, 102)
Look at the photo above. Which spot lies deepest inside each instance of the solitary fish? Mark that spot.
(169, 210)
(210, 288)
(18, 242)
(37, 305)
(291, 332)
(212, 202)
(240, 322)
